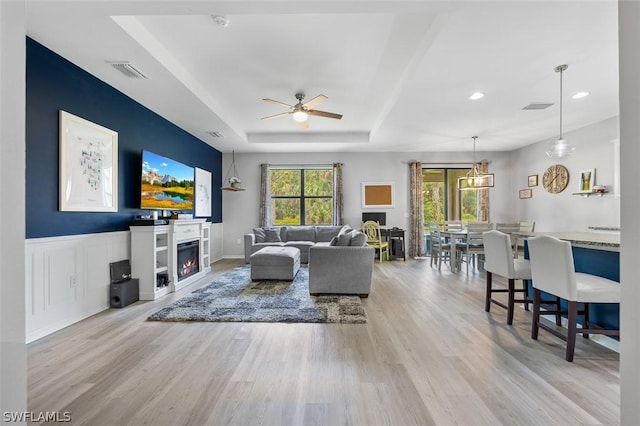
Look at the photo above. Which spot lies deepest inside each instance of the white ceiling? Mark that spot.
(400, 72)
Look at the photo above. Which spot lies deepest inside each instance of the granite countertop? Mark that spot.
(605, 228)
(593, 240)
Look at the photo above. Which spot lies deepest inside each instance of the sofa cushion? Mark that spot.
(334, 241)
(272, 235)
(300, 233)
(325, 233)
(358, 238)
(259, 234)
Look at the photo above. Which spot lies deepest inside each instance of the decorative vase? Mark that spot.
(235, 185)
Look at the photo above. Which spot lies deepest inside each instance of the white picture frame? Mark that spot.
(88, 162)
(202, 193)
(586, 180)
(377, 195)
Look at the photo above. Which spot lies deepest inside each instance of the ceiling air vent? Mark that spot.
(215, 134)
(538, 105)
(128, 69)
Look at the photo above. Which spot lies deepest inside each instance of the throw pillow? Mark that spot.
(334, 241)
(260, 235)
(345, 229)
(358, 239)
(344, 240)
(272, 236)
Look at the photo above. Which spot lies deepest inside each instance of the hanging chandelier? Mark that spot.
(560, 148)
(474, 179)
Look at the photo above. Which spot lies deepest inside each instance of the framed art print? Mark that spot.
(88, 166)
(525, 193)
(203, 193)
(532, 180)
(587, 180)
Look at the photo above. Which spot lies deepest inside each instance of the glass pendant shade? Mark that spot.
(560, 149)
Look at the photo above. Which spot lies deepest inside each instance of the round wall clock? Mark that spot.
(555, 179)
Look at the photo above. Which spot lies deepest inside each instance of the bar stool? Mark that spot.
(499, 260)
(553, 272)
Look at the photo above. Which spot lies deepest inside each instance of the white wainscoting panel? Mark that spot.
(67, 278)
(216, 242)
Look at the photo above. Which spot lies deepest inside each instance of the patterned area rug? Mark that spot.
(235, 298)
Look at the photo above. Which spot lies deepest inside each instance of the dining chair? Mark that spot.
(374, 238)
(510, 229)
(453, 225)
(440, 249)
(553, 272)
(500, 261)
(473, 248)
(527, 226)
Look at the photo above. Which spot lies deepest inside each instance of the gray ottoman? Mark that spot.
(275, 263)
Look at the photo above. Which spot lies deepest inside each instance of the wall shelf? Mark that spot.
(590, 193)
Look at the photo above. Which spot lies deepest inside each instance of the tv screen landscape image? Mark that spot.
(166, 184)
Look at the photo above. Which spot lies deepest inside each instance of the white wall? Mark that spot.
(13, 355)
(564, 211)
(240, 209)
(629, 32)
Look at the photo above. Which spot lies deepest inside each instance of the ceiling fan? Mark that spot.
(301, 111)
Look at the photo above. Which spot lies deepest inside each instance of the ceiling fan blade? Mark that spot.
(276, 115)
(310, 104)
(278, 103)
(324, 114)
(304, 125)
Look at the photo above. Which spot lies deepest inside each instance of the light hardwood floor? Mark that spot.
(428, 355)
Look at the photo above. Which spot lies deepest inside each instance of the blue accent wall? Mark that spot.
(54, 84)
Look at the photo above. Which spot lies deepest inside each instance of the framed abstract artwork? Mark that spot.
(203, 193)
(88, 166)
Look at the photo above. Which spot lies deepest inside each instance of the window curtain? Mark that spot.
(483, 195)
(265, 195)
(338, 195)
(416, 212)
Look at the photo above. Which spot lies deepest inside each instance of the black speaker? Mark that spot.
(123, 293)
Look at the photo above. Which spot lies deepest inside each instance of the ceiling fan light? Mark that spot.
(300, 116)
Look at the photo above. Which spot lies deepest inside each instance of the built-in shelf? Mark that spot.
(590, 193)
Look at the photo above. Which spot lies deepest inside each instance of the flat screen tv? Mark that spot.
(380, 217)
(165, 184)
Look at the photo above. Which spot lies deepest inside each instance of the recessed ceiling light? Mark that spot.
(476, 96)
(580, 95)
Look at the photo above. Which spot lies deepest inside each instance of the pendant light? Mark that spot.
(232, 180)
(561, 148)
(474, 179)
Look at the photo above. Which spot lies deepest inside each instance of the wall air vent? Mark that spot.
(127, 69)
(538, 105)
(214, 134)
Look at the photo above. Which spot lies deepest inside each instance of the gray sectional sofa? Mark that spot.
(301, 237)
(340, 261)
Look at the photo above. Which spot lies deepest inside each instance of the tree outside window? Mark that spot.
(302, 196)
(443, 201)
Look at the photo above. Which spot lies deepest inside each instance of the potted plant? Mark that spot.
(234, 182)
